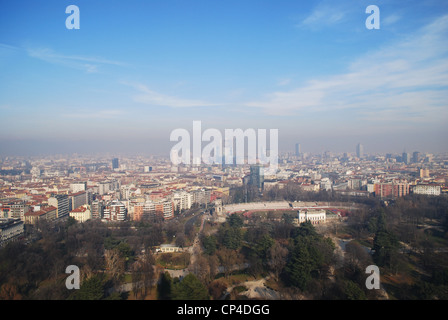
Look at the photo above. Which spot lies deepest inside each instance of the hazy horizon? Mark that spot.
(136, 71)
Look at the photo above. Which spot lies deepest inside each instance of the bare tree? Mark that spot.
(201, 269)
(228, 259)
(356, 256)
(114, 263)
(217, 289)
(143, 275)
(277, 255)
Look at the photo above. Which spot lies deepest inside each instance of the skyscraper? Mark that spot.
(359, 150)
(114, 163)
(297, 149)
(416, 157)
(256, 177)
(405, 157)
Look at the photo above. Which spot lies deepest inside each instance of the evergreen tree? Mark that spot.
(190, 288)
(164, 287)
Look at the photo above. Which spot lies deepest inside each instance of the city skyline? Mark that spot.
(133, 73)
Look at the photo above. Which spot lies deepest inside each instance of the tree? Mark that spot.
(228, 259)
(91, 289)
(9, 291)
(385, 245)
(356, 256)
(217, 289)
(299, 267)
(232, 238)
(277, 255)
(190, 288)
(310, 255)
(164, 288)
(143, 275)
(353, 291)
(201, 269)
(263, 245)
(209, 244)
(70, 222)
(114, 263)
(235, 221)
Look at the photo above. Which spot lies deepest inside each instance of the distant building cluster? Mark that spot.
(137, 188)
(55, 190)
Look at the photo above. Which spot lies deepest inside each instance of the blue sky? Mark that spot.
(136, 70)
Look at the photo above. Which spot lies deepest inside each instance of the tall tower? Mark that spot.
(416, 157)
(405, 157)
(256, 177)
(359, 150)
(114, 163)
(298, 149)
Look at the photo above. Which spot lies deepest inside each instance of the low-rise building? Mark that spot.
(47, 212)
(314, 216)
(164, 248)
(81, 213)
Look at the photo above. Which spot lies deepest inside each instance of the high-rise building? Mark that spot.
(78, 199)
(115, 211)
(416, 157)
(359, 150)
(62, 203)
(298, 151)
(114, 163)
(97, 208)
(256, 177)
(405, 157)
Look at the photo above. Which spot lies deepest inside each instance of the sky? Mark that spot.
(137, 70)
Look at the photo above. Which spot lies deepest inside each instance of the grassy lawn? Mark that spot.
(175, 260)
(237, 278)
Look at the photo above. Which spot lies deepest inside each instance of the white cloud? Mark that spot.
(390, 19)
(100, 114)
(148, 96)
(327, 13)
(284, 82)
(88, 64)
(408, 79)
(7, 46)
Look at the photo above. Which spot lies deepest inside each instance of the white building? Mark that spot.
(78, 187)
(325, 184)
(115, 211)
(82, 213)
(427, 189)
(182, 200)
(165, 208)
(314, 216)
(168, 248)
